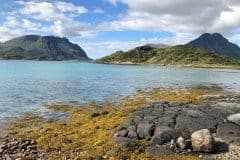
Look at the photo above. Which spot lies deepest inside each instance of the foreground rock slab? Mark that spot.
(182, 127)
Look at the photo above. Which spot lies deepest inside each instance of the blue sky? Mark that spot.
(101, 27)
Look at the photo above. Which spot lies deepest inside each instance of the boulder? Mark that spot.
(230, 132)
(126, 143)
(202, 141)
(163, 134)
(132, 132)
(121, 133)
(192, 120)
(145, 130)
(234, 118)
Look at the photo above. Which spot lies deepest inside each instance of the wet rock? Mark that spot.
(159, 151)
(192, 120)
(234, 118)
(181, 143)
(122, 133)
(202, 141)
(95, 114)
(104, 113)
(182, 123)
(126, 143)
(145, 130)
(229, 132)
(163, 134)
(18, 149)
(132, 132)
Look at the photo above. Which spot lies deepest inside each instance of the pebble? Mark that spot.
(18, 149)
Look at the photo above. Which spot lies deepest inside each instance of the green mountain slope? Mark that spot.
(41, 48)
(176, 55)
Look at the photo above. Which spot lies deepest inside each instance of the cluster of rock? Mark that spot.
(181, 127)
(17, 149)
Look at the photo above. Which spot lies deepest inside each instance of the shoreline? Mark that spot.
(93, 126)
(173, 66)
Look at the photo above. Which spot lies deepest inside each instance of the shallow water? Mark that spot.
(28, 85)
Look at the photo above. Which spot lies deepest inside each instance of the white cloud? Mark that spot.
(178, 16)
(48, 11)
(30, 25)
(71, 28)
(99, 11)
(69, 7)
(6, 33)
(55, 17)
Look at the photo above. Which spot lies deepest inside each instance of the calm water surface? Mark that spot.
(28, 85)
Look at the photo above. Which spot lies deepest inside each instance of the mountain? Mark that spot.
(37, 47)
(185, 55)
(218, 44)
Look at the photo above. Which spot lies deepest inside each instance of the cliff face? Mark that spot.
(41, 48)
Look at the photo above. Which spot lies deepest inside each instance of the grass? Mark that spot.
(81, 136)
(182, 55)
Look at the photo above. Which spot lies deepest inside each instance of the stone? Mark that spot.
(192, 120)
(202, 141)
(234, 118)
(230, 132)
(163, 134)
(1, 150)
(104, 113)
(122, 133)
(181, 143)
(95, 115)
(126, 143)
(132, 132)
(159, 151)
(145, 130)
(172, 144)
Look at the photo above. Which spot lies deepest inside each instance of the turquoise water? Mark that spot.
(28, 85)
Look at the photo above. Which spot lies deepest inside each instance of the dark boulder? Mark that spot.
(163, 134)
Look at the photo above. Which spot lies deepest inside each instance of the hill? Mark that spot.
(37, 47)
(218, 44)
(185, 55)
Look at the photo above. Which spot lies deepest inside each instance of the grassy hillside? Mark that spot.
(176, 55)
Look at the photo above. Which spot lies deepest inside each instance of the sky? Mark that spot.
(102, 27)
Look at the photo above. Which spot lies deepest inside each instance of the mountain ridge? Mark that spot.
(36, 47)
(216, 43)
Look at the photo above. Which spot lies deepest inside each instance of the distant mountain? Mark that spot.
(218, 44)
(184, 55)
(37, 47)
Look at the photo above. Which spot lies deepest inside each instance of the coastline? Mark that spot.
(89, 130)
(236, 68)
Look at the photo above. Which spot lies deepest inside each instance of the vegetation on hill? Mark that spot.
(185, 55)
(41, 48)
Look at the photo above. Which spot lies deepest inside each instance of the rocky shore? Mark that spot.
(189, 123)
(184, 128)
(18, 149)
